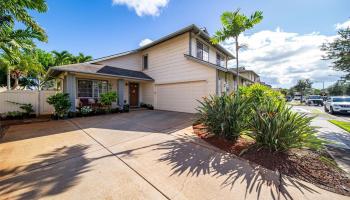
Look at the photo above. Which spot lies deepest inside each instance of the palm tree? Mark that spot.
(82, 58)
(62, 58)
(235, 23)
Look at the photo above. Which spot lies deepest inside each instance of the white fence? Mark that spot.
(36, 98)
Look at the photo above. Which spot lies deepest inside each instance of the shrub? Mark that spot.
(27, 107)
(107, 99)
(126, 108)
(258, 94)
(14, 115)
(61, 103)
(277, 128)
(224, 116)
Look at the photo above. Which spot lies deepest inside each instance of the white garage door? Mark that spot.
(181, 97)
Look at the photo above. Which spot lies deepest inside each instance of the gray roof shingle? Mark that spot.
(99, 70)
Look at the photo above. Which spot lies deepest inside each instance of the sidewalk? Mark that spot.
(339, 148)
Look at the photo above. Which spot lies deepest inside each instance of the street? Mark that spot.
(339, 146)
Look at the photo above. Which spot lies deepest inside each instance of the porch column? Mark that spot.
(70, 88)
(121, 86)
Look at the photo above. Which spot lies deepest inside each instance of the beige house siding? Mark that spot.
(147, 93)
(250, 75)
(212, 50)
(131, 61)
(168, 65)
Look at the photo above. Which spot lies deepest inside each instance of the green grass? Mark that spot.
(341, 124)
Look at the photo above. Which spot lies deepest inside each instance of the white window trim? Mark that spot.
(143, 62)
(203, 44)
(92, 93)
(221, 57)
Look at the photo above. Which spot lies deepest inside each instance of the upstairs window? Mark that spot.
(145, 62)
(220, 60)
(202, 51)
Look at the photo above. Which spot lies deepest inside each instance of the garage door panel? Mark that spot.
(180, 97)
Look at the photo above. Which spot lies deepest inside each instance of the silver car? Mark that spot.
(337, 104)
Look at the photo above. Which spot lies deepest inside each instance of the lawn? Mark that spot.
(341, 124)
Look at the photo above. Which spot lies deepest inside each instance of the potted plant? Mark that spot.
(107, 98)
(61, 103)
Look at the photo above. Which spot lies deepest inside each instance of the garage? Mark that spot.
(181, 97)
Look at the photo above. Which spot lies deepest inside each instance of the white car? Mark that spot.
(337, 104)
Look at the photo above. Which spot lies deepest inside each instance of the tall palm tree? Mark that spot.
(235, 23)
(62, 58)
(82, 58)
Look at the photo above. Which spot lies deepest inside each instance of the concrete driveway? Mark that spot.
(136, 155)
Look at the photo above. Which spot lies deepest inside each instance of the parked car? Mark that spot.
(297, 98)
(314, 100)
(337, 104)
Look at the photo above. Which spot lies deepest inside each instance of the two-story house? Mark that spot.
(171, 73)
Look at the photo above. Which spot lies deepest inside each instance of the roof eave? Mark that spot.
(99, 74)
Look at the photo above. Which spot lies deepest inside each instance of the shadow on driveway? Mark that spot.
(190, 160)
(50, 179)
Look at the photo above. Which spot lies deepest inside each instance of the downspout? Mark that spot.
(190, 44)
(237, 71)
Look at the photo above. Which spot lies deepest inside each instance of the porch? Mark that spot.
(86, 82)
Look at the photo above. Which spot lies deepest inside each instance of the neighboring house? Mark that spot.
(171, 73)
(249, 75)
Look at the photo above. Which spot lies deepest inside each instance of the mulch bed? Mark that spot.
(314, 167)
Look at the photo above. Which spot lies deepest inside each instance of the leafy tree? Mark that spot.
(235, 23)
(18, 10)
(347, 89)
(302, 86)
(336, 89)
(339, 51)
(12, 40)
(20, 67)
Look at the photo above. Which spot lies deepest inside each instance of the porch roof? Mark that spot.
(102, 70)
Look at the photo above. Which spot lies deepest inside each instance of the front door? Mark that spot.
(134, 94)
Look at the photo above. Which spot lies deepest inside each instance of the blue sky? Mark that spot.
(104, 27)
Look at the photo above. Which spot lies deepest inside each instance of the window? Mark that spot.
(202, 51)
(220, 60)
(145, 62)
(91, 88)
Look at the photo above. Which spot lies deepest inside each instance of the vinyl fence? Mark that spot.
(36, 98)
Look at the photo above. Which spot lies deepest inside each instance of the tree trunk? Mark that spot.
(15, 85)
(237, 70)
(8, 79)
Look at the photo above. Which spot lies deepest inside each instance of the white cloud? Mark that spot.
(343, 25)
(145, 42)
(281, 58)
(144, 7)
